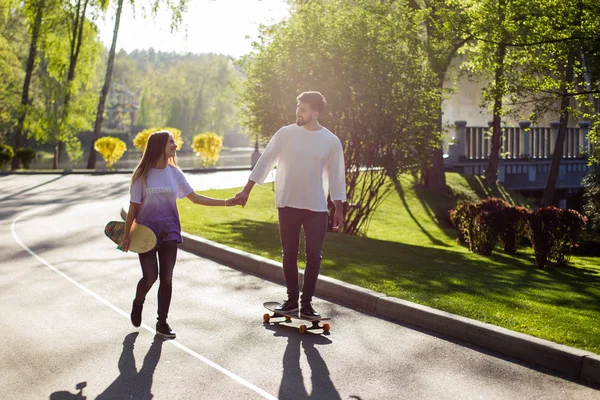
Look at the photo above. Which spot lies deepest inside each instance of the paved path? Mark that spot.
(65, 296)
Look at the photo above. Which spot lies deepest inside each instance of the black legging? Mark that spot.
(167, 255)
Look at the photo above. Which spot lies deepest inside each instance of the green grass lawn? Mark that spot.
(410, 252)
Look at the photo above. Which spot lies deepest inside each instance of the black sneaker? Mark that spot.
(164, 330)
(136, 314)
(308, 312)
(289, 307)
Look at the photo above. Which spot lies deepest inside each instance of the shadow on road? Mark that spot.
(131, 383)
(292, 381)
(31, 188)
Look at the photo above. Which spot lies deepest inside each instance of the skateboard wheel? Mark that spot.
(266, 318)
(303, 328)
(326, 328)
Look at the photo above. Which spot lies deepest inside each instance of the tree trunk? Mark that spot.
(434, 177)
(76, 42)
(562, 131)
(104, 93)
(491, 172)
(28, 74)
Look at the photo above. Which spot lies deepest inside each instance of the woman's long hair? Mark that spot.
(154, 151)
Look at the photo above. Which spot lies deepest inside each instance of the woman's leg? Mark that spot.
(149, 265)
(167, 255)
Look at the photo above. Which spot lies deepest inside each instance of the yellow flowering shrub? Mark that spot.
(208, 146)
(111, 149)
(140, 140)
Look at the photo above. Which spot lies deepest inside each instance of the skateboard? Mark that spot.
(142, 239)
(271, 305)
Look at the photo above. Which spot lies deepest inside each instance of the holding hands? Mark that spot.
(241, 198)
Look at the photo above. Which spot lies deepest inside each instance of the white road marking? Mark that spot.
(126, 315)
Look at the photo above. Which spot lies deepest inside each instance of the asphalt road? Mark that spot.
(65, 297)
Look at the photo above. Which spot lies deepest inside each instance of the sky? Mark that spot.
(209, 26)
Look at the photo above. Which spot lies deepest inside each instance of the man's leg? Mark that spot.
(290, 223)
(315, 229)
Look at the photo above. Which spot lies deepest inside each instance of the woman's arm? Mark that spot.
(210, 201)
(133, 207)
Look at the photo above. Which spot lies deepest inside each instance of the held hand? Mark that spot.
(230, 202)
(338, 221)
(125, 244)
(241, 198)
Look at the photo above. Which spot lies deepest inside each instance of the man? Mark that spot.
(310, 163)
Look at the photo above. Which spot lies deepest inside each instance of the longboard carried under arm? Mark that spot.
(142, 239)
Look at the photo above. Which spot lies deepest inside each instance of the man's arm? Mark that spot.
(337, 185)
(242, 197)
(265, 164)
(338, 216)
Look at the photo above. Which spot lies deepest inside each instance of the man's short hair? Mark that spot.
(314, 99)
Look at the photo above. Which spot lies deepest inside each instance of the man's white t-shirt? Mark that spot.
(310, 164)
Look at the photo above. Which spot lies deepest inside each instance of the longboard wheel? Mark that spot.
(266, 318)
(326, 328)
(303, 328)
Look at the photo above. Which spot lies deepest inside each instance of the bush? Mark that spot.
(25, 155)
(553, 234)
(516, 228)
(6, 154)
(462, 218)
(140, 140)
(111, 149)
(208, 146)
(480, 225)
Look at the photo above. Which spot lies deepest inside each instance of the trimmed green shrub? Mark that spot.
(462, 218)
(481, 224)
(208, 146)
(553, 234)
(6, 154)
(111, 149)
(140, 140)
(516, 228)
(25, 155)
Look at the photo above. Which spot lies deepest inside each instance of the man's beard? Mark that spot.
(300, 121)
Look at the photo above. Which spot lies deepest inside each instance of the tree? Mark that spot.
(13, 37)
(104, 92)
(37, 8)
(65, 73)
(367, 60)
(442, 39)
(177, 7)
(494, 25)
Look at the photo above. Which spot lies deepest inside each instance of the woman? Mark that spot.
(156, 184)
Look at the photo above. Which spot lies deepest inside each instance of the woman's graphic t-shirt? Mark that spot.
(158, 201)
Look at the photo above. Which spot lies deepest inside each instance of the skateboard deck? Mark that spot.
(142, 239)
(272, 305)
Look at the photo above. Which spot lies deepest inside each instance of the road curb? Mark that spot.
(553, 356)
(114, 172)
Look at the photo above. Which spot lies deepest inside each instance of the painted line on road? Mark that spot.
(175, 343)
